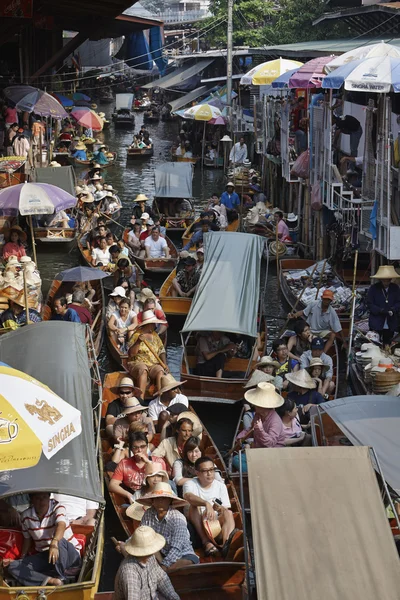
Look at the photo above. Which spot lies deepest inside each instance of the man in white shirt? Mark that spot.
(209, 501)
(78, 510)
(238, 153)
(155, 245)
(169, 395)
(101, 255)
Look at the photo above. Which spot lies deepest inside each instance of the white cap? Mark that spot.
(145, 216)
(119, 291)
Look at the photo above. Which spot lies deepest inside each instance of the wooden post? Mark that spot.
(353, 307)
(204, 141)
(28, 321)
(320, 278)
(277, 256)
(33, 240)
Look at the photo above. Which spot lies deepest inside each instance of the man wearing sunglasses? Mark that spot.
(126, 390)
(209, 502)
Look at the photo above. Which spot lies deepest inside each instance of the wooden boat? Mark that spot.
(205, 313)
(56, 235)
(234, 226)
(152, 118)
(184, 159)
(73, 348)
(139, 153)
(87, 163)
(292, 264)
(156, 265)
(173, 185)
(171, 305)
(60, 288)
(213, 578)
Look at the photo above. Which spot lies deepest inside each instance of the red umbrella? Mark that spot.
(87, 118)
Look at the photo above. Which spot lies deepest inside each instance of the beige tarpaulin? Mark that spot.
(319, 526)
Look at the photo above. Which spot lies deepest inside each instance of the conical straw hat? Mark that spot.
(386, 272)
(264, 396)
(144, 542)
(301, 379)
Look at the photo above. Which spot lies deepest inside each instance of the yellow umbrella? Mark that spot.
(202, 112)
(267, 72)
(33, 420)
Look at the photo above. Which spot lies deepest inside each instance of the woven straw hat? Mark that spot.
(150, 317)
(144, 542)
(136, 511)
(168, 382)
(212, 529)
(264, 396)
(132, 405)
(20, 232)
(153, 468)
(162, 490)
(141, 198)
(145, 294)
(267, 360)
(126, 382)
(386, 272)
(256, 378)
(80, 146)
(317, 362)
(277, 248)
(301, 379)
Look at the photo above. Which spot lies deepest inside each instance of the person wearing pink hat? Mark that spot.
(322, 319)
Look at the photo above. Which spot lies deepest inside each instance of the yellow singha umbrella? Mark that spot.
(267, 72)
(202, 112)
(33, 420)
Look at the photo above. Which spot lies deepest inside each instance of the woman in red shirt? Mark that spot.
(15, 246)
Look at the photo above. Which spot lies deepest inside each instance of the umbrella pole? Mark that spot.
(204, 141)
(277, 258)
(353, 308)
(33, 240)
(28, 321)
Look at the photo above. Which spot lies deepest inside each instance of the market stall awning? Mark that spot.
(62, 177)
(227, 295)
(320, 511)
(179, 77)
(188, 98)
(55, 353)
(371, 421)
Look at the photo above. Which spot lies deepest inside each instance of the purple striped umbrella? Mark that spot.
(311, 74)
(35, 199)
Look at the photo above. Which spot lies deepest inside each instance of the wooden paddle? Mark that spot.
(110, 219)
(239, 442)
(162, 363)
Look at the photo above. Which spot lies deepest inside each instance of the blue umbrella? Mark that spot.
(81, 274)
(80, 96)
(30, 99)
(63, 100)
(282, 81)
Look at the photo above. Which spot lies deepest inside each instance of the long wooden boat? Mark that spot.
(86, 163)
(156, 265)
(214, 163)
(84, 585)
(56, 235)
(233, 473)
(60, 288)
(292, 264)
(234, 226)
(171, 305)
(213, 578)
(184, 159)
(139, 153)
(121, 358)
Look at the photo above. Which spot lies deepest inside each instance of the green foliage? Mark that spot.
(263, 23)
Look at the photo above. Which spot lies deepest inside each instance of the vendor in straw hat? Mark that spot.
(140, 577)
(80, 151)
(15, 245)
(169, 394)
(383, 301)
(141, 206)
(133, 412)
(163, 516)
(15, 316)
(146, 353)
(303, 390)
(202, 493)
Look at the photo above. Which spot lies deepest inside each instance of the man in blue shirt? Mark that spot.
(231, 201)
(63, 313)
(197, 237)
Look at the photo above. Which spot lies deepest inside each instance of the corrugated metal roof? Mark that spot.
(324, 47)
(187, 98)
(179, 76)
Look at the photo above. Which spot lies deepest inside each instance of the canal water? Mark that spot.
(130, 179)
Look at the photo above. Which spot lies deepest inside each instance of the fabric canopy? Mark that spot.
(371, 421)
(55, 353)
(188, 98)
(319, 526)
(227, 295)
(173, 180)
(179, 78)
(62, 177)
(124, 101)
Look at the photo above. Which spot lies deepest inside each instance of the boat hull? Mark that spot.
(139, 154)
(173, 306)
(56, 236)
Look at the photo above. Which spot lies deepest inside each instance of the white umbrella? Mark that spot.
(362, 52)
(379, 75)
